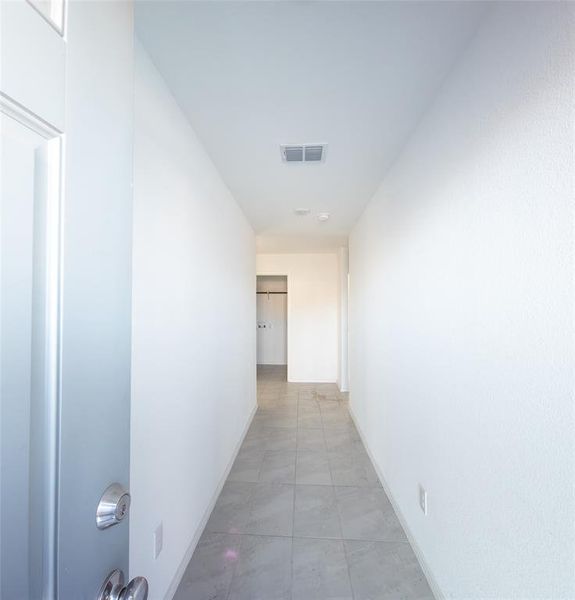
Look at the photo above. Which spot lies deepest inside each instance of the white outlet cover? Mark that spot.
(158, 540)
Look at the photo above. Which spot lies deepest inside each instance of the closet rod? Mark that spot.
(271, 292)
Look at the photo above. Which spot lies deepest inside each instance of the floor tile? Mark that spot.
(278, 467)
(348, 542)
(308, 404)
(278, 421)
(281, 439)
(271, 510)
(253, 446)
(320, 570)
(335, 422)
(232, 508)
(246, 468)
(385, 571)
(353, 469)
(311, 439)
(316, 513)
(367, 514)
(309, 420)
(312, 468)
(256, 431)
(263, 571)
(346, 440)
(210, 571)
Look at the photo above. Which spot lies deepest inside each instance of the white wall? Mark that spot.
(343, 307)
(193, 372)
(461, 324)
(312, 312)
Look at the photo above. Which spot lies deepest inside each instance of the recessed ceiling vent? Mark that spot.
(303, 153)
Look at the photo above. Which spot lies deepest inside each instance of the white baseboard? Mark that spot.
(190, 551)
(417, 551)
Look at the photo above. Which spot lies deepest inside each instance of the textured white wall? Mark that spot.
(461, 326)
(343, 344)
(193, 371)
(313, 291)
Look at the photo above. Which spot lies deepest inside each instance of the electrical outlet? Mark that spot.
(158, 540)
(423, 499)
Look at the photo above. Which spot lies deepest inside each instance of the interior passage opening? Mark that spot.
(272, 294)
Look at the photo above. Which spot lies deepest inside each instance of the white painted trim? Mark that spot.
(416, 549)
(59, 29)
(191, 548)
(54, 270)
(27, 118)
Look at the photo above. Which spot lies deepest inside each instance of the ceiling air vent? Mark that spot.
(303, 152)
(293, 153)
(313, 153)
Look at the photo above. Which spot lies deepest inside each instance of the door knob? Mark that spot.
(137, 589)
(114, 589)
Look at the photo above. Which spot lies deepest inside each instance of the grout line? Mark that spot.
(325, 485)
(308, 537)
(345, 554)
(234, 569)
(294, 493)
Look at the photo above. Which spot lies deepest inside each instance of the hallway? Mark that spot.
(302, 514)
(378, 194)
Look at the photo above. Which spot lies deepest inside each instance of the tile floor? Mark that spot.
(302, 515)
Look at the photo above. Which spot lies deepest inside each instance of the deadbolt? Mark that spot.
(114, 589)
(113, 506)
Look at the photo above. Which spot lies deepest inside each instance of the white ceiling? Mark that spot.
(253, 75)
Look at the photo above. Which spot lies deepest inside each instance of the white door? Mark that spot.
(272, 328)
(66, 93)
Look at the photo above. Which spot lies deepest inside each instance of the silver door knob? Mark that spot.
(137, 589)
(114, 589)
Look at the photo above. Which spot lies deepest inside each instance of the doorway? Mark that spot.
(272, 355)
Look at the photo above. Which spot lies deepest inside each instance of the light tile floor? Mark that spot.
(302, 515)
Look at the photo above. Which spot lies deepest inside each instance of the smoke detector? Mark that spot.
(303, 152)
(323, 216)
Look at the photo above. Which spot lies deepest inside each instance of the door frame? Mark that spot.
(12, 109)
(288, 311)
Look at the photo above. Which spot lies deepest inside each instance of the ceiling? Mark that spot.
(253, 75)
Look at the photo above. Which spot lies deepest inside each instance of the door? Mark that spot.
(271, 309)
(30, 203)
(66, 94)
(272, 328)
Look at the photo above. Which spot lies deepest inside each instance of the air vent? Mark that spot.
(313, 153)
(293, 153)
(303, 153)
